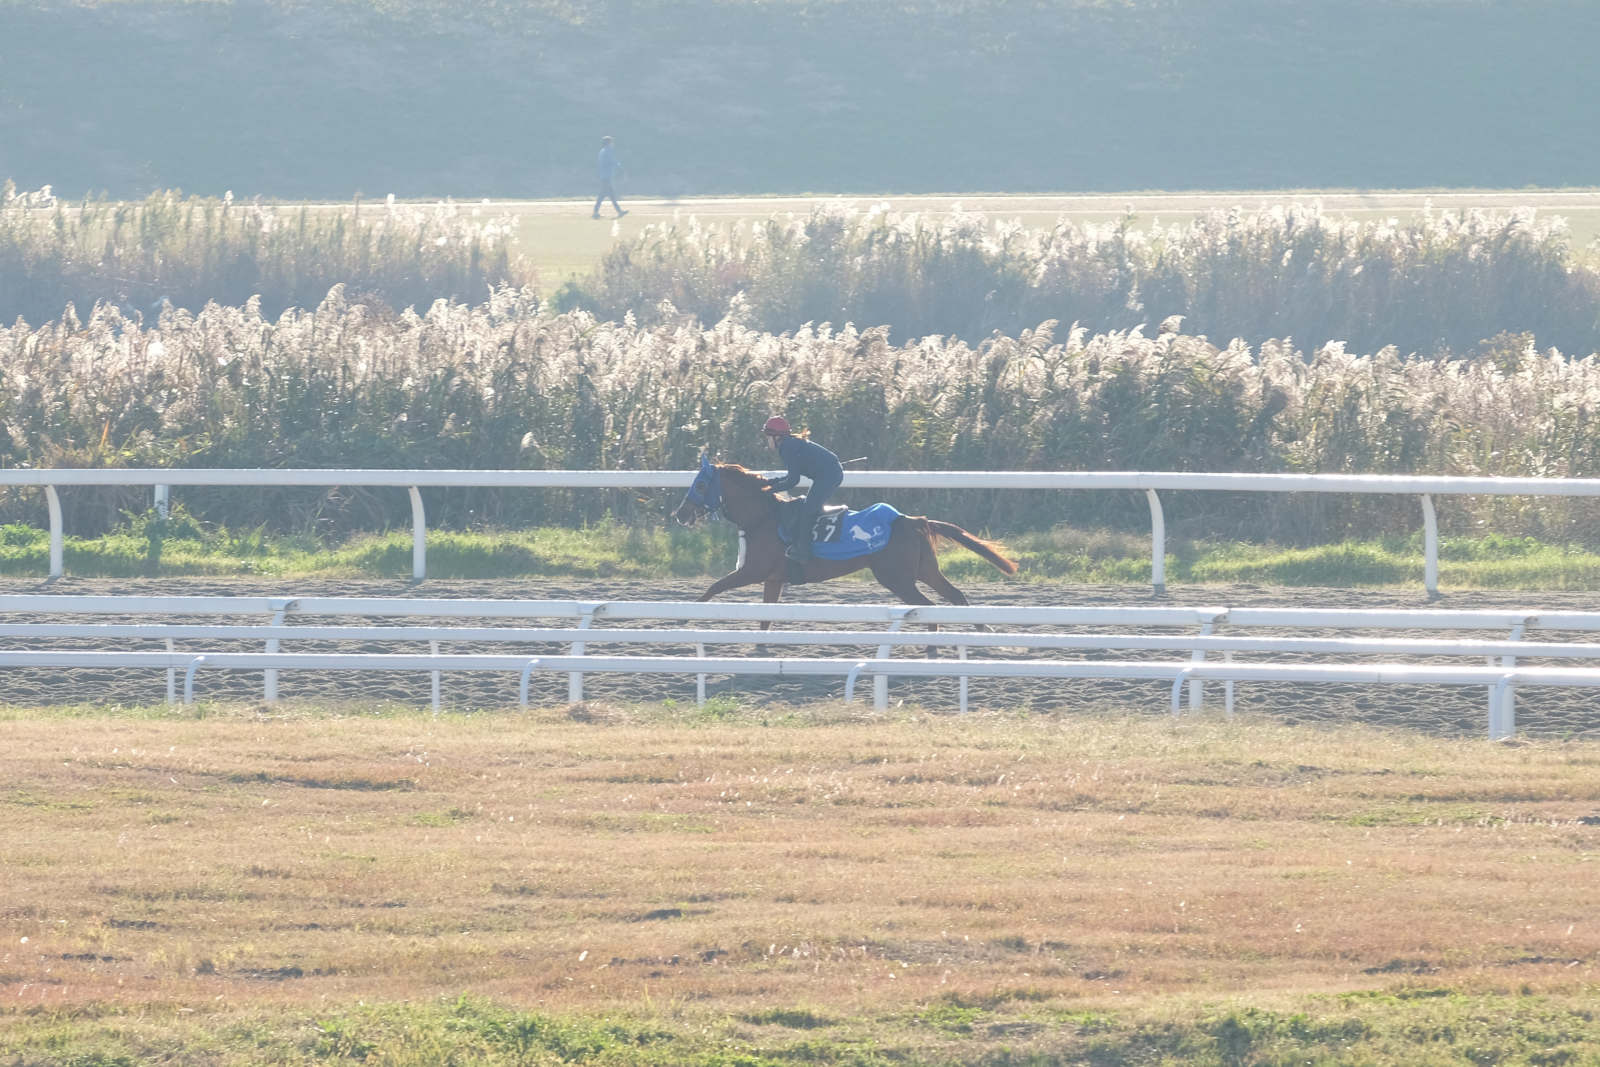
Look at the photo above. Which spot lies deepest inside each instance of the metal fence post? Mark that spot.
(188, 680)
(1503, 697)
(1158, 544)
(419, 536)
(433, 648)
(700, 679)
(961, 653)
(575, 679)
(1197, 694)
(269, 677)
(880, 682)
(522, 689)
(56, 537)
(1430, 546)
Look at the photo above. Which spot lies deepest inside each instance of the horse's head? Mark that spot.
(723, 485)
(704, 496)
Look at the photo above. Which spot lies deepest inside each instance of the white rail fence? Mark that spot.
(1500, 676)
(1425, 488)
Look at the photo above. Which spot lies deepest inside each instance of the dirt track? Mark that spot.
(1549, 713)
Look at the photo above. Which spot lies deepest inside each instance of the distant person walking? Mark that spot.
(607, 167)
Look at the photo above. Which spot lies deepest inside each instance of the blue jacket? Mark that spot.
(807, 458)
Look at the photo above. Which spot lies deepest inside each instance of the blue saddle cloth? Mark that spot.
(852, 534)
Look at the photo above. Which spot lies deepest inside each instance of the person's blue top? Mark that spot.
(807, 458)
(607, 164)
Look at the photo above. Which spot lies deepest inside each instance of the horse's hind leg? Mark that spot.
(901, 581)
(904, 587)
(931, 576)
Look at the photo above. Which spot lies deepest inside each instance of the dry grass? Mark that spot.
(564, 242)
(587, 862)
(1435, 285)
(189, 251)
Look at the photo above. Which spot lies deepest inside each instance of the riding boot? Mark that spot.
(798, 555)
(803, 530)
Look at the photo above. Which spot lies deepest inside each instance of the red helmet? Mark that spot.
(776, 426)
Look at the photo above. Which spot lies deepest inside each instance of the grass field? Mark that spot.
(729, 885)
(561, 240)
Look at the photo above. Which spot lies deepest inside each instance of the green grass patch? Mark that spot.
(1426, 1026)
(1488, 562)
(147, 712)
(180, 546)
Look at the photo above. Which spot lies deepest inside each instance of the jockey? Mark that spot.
(803, 457)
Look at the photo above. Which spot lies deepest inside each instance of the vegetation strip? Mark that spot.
(147, 546)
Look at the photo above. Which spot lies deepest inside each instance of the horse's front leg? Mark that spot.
(770, 593)
(738, 579)
(771, 590)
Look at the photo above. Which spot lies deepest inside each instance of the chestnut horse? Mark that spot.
(748, 501)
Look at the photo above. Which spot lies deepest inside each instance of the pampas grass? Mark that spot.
(503, 384)
(1439, 284)
(188, 251)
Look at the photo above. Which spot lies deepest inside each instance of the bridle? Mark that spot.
(711, 497)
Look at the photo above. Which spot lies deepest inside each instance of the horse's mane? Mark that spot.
(761, 483)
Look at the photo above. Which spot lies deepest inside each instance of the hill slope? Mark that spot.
(489, 98)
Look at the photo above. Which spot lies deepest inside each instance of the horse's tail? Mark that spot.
(987, 549)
